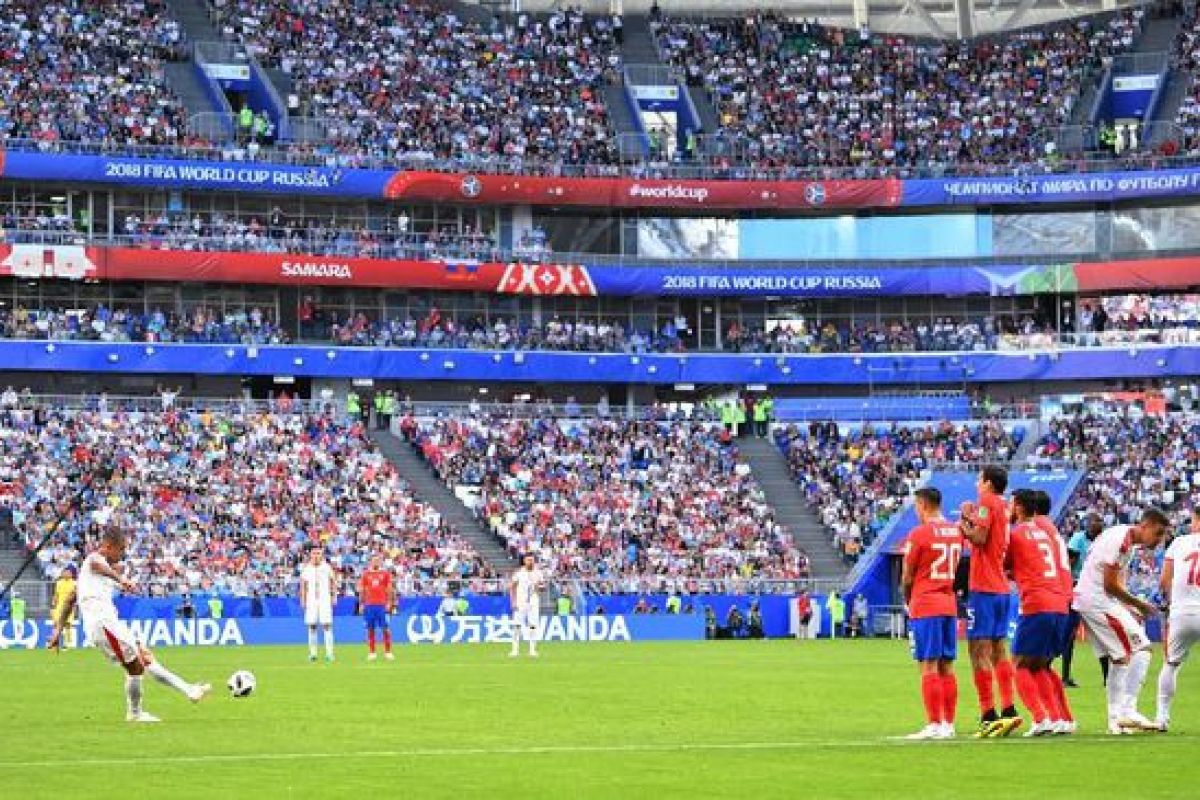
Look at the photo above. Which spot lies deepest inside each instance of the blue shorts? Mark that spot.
(375, 616)
(934, 638)
(1040, 635)
(987, 615)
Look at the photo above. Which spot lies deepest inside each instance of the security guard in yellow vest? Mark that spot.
(377, 402)
(353, 406)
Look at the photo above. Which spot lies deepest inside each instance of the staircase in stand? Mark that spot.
(770, 469)
(429, 488)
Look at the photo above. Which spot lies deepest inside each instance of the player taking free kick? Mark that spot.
(986, 527)
(931, 555)
(98, 579)
(377, 591)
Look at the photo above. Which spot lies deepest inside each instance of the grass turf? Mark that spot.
(696, 719)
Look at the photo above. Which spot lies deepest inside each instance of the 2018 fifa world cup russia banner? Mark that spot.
(80, 262)
(406, 629)
(467, 187)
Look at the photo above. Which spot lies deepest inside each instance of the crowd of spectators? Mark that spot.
(1113, 321)
(799, 94)
(1133, 460)
(1187, 59)
(89, 70)
(856, 479)
(414, 79)
(220, 501)
(199, 325)
(613, 499)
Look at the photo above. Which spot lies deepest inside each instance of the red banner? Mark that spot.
(132, 264)
(436, 187)
(1150, 274)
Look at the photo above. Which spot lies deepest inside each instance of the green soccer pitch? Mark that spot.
(696, 719)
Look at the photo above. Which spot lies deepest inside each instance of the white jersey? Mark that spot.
(94, 593)
(1111, 548)
(1184, 553)
(316, 585)
(526, 583)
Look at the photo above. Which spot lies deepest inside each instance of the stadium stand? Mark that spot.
(416, 80)
(613, 499)
(1132, 460)
(90, 71)
(220, 500)
(856, 478)
(798, 94)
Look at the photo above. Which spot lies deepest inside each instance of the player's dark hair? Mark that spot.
(997, 477)
(1157, 516)
(114, 536)
(930, 495)
(1044, 504)
(1027, 499)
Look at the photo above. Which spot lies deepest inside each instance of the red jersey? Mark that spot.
(376, 588)
(1038, 562)
(932, 552)
(987, 559)
(1046, 524)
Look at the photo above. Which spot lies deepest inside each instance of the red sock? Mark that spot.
(931, 693)
(983, 686)
(1052, 689)
(1004, 679)
(371, 639)
(387, 640)
(949, 697)
(1031, 694)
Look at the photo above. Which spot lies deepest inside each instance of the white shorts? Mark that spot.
(318, 615)
(527, 617)
(1115, 632)
(115, 640)
(1182, 634)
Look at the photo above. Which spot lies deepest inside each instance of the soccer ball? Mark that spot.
(242, 683)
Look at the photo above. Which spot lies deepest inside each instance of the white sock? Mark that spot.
(1139, 665)
(312, 641)
(168, 678)
(1115, 690)
(532, 635)
(516, 634)
(328, 641)
(1166, 691)
(133, 693)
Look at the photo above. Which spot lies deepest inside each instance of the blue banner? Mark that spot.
(1066, 188)
(406, 629)
(181, 174)
(259, 176)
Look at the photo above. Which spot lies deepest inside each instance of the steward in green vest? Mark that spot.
(216, 607)
(377, 401)
(563, 606)
(245, 123)
(353, 406)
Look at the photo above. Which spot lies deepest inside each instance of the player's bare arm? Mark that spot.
(906, 581)
(1116, 589)
(105, 570)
